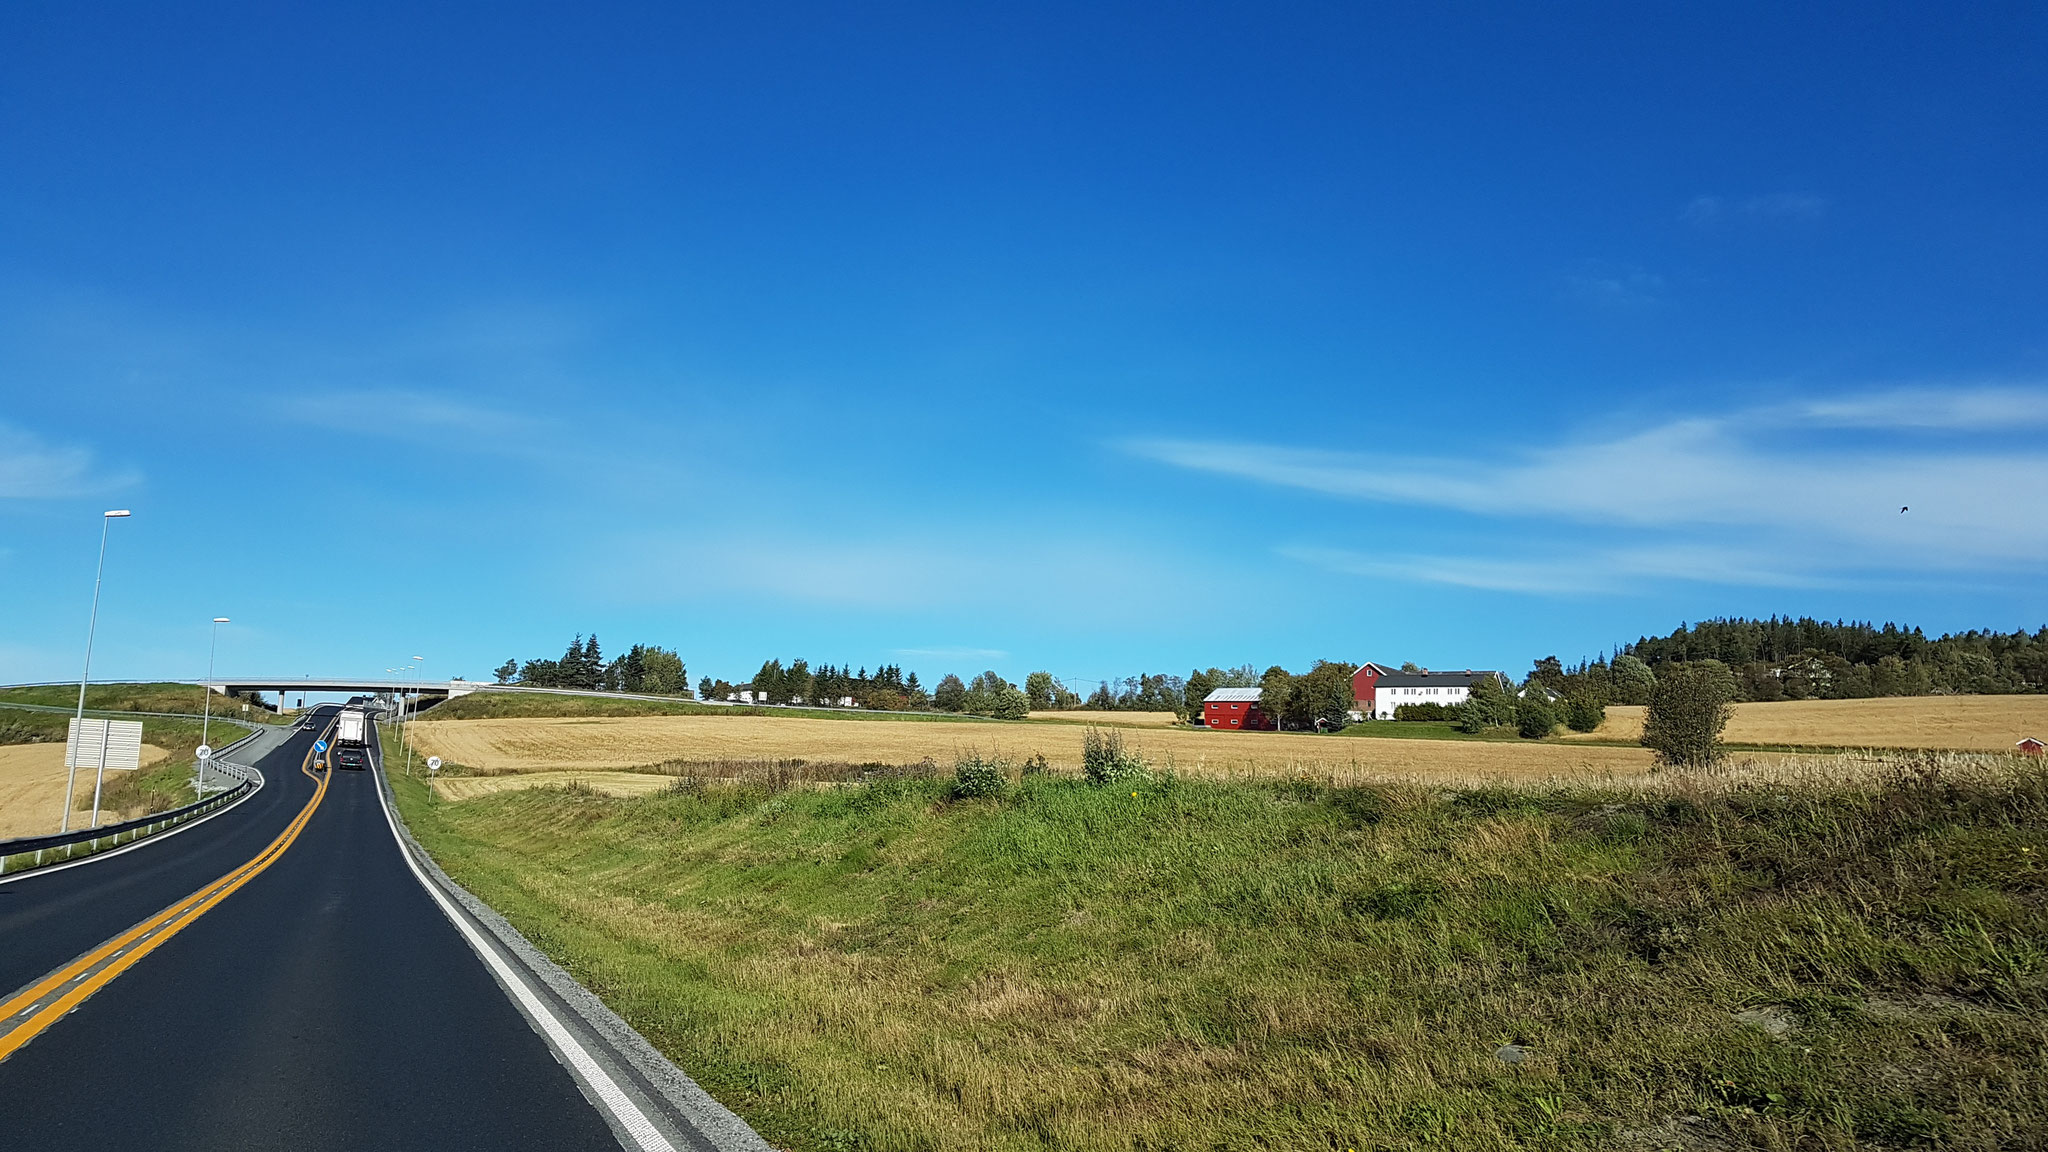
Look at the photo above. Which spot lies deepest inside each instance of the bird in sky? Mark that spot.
(1902, 508)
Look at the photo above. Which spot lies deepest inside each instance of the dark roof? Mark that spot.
(1433, 679)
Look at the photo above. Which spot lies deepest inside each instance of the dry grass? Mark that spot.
(1125, 719)
(1950, 723)
(556, 744)
(32, 784)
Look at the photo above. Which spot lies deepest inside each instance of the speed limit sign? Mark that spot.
(433, 763)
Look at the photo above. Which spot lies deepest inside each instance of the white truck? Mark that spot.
(353, 728)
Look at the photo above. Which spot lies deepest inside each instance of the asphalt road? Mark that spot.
(325, 1004)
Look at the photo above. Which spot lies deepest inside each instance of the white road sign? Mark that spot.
(120, 741)
(433, 763)
(205, 752)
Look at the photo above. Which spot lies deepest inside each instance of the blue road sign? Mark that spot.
(319, 745)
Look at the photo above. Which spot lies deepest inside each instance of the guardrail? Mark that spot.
(128, 831)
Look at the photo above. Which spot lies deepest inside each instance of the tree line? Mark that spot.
(1808, 659)
(643, 668)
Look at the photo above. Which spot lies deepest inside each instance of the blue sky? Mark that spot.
(1083, 337)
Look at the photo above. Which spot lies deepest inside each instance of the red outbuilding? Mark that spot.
(2030, 747)
(1235, 709)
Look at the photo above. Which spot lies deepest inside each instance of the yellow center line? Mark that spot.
(125, 950)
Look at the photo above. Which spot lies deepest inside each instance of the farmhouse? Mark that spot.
(1380, 691)
(1235, 708)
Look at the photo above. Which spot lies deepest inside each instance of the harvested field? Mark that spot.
(1950, 723)
(608, 783)
(1126, 719)
(32, 781)
(554, 744)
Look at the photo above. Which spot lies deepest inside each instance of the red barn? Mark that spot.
(1235, 709)
(2030, 747)
(1364, 683)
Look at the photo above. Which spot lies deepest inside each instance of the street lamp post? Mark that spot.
(92, 630)
(206, 709)
(417, 661)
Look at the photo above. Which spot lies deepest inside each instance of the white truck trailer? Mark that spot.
(353, 728)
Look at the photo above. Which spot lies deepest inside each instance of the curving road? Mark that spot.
(327, 1003)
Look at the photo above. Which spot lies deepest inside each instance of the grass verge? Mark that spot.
(1825, 964)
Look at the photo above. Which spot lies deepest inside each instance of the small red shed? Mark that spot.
(1235, 709)
(2030, 747)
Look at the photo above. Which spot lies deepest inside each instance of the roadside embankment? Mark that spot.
(1815, 954)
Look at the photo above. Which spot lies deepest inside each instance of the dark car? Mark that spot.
(352, 758)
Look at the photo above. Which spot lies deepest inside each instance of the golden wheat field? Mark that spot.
(599, 744)
(1949, 723)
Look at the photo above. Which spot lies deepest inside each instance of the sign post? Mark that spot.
(320, 752)
(433, 767)
(205, 753)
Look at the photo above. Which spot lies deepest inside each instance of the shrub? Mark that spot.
(1035, 765)
(1535, 716)
(975, 775)
(1105, 760)
(1689, 707)
(1583, 713)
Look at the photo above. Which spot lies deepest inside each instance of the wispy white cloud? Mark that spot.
(1592, 571)
(31, 469)
(1707, 211)
(1948, 409)
(1733, 499)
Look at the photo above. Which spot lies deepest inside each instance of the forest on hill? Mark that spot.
(1808, 659)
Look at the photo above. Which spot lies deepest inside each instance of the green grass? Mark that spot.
(182, 698)
(1225, 966)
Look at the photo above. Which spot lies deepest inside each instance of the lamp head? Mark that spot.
(220, 620)
(118, 512)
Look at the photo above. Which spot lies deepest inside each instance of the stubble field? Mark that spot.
(547, 743)
(1949, 723)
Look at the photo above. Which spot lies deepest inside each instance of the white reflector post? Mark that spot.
(121, 739)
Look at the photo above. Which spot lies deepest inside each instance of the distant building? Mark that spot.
(2030, 747)
(1235, 709)
(1379, 691)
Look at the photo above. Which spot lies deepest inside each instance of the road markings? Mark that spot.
(645, 1135)
(31, 1011)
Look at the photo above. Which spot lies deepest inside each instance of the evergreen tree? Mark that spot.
(1487, 706)
(950, 695)
(507, 671)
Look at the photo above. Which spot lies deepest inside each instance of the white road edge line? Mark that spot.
(615, 1100)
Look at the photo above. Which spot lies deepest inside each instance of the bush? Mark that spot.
(1035, 765)
(1583, 713)
(975, 776)
(1534, 715)
(1429, 710)
(1689, 707)
(1105, 760)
